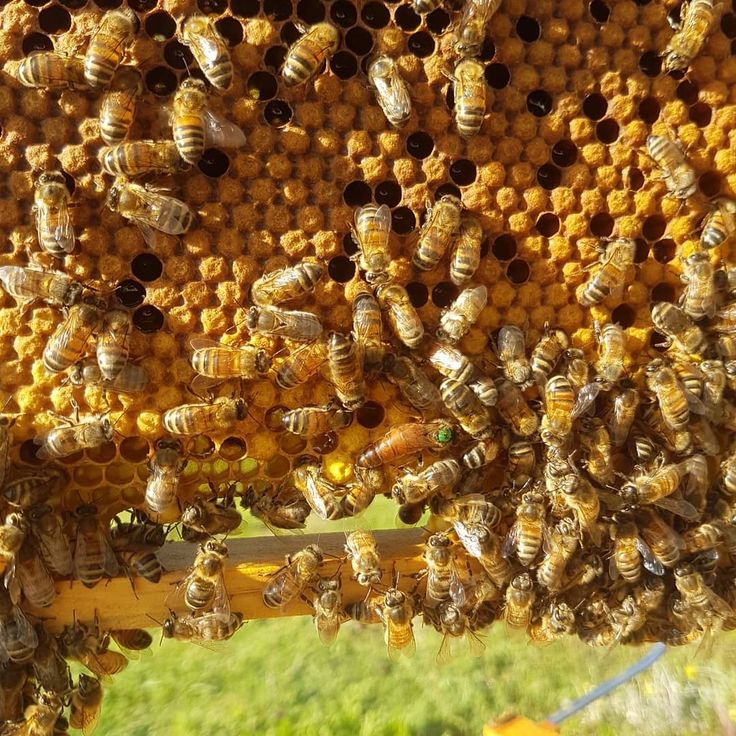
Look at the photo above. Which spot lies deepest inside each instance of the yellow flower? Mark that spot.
(690, 671)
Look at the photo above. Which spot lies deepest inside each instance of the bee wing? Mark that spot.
(63, 231)
(650, 561)
(328, 630)
(585, 398)
(202, 343)
(221, 602)
(721, 607)
(24, 631)
(209, 48)
(694, 404)
(446, 653)
(202, 384)
(85, 718)
(12, 583)
(679, 506)
(105, 663)
(509, 542)
(468, 538)
(457, 590)
(221, 132)
(613, 572)
(111, 565)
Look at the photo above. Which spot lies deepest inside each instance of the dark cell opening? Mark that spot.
(649, 110)
(214, 163)
(277, 9)
(349, 245)
(444, 294)
(36, 42)
(421, 44)
(161, 81)
(564, 153)
(485, 246)
(733, 48)
(32, 3)
(548, 224)
(375, 15)
(497, 75)
(710, 184)
(624, 314)
(130, 293)
(418, 293)
(658, 341)
(463, 172)
(662, 292)
(688, 91)
(410, 513)
(701, 114)
(54, 19)
(278, 113)
(450, 96)
(289, 33)
(262, 86)
(160, 26)
(650, 63)
(325, 443)
(664, 250)
(28, 453)
(245, 8)
(601, 225)
(388, 193)
(487, 50)
(438, 21)
(146, 267)
(642, 250)
(528, 28)
(359, 41)
(642, 2)
(728, 25)
(71, 185)
(517, 272)
(504, 247)
(344, 65)
(653, 227)
(212, 7)
(108, 4)
(341, 269)
(370, 415)
(595, 106)
(674, 15)
(549, 176)
(73, 4)
(607, 130)
(403, 221)
(1, 131)
(407, 18)
(677, 74)
(142, 6)
(357, 193)
(539, 103)
(599, 11)
(230, 29)
(419, 144)
(444, 189)
(311, 11)
(274, 57)
(232, 448)
(148, 319)
(344, 13)
(177, 55)
(636, 179)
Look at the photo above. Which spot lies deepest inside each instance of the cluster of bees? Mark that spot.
(565, 496)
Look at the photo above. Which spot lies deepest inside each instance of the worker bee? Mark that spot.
(319, 492)
(113, 343)
(309, 53)
(669, 156)
(443, 582)
(466, 510)
(360, 494)
(581, 498)
(547, 352)
(328, 613)
(136, 545)
(514, 410)
(528, 530)
(466, 407)
(165, 467)
(361, 550)
(371, 232)
(596, 444)
(47, 527)
(191, 419)
(396, 610)
(462, 314)
(302, 364)
(406, 439)
(719, 223)
(115, 33)
(481, 453)
(84, 644)
(210, 51)
(117, 109)
(438, 478)
(696, 594)
(466, 254)
(139, 158)
(131, 379)
(703, 537)
(34, 488)
(698, 300)
(450, 362)
(69, 340)
(392, 92)
(728, 474)
(18, 638)
(511, 351)
(28, 284)
(616, 260)
(346, 370)
(299, 572)
(12, 535)
(577, 369)
(666, 544)
(311, 421)
(413, 383)
(697, 20)
(485, 389)
(559, 400)
(283, 508)
(521, 462)
(210, 516)
(658, 487)
(52, 70)
(623, 413)
(556, 622)
(441, 225)
(93, 554)
(611, 352)
(49, 667)
(561, 546)
(286, 284)
(470, 32)
(469, 86)
(204, 587)
(131, 639)
(216, 362)
(520, 598)
(206, 627)
(51, 208)
(480, 542)
(402, 316)
(66, 440)
(28, 574)
(671, 396)
(300, 326)
(368, 328)
(86, 704)
(39, 718)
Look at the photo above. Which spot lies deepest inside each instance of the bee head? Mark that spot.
(630, 494)
(368, 578)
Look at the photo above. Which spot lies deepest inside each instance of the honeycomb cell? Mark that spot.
(548, 224)
(518, 271)
(54, 19)
(130, 293)
(160, 26)
(664, 250)
(148, 319)
(134, 449)
(102, 454)
(278, 113)
(407, 18)
(418, 293)
(497, 75)
(36, 42)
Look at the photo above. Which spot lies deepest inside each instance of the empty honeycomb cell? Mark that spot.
(160, 26)
(148, 319)
(54, 19)
(564, 153)
(662, 292)
(607, 131)
(497, 75)
(161, 81)
(710, 183)
(292, 444)
(130, 293)
(599, 11)
(134, 449)
(664, 250)
(539, 102)
(650, 63)
(403, 220)
(36, 42)
(443, 294)
(87, 476)
(549, 176)
(103, 454)
(653, 227)
(701, 114)
(548, 224)
(276, 467)
(601, 225)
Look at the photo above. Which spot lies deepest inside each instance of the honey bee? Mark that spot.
(466, 254)
(441, 225)
(207, 627)
(191, 419)
(557, 421)
(392, 92)
(520, 598)
(51, 208)
(466, 407)
(302, 364)
(443, 582)
(514, 410)
(368, 328)
(12, 535)
(286, 284)
(697, 595)
(319, 492)
(29, 490)
(47, 527)
(136, 533)
(52, 70)
(113, 343)
(359, 495)
(719, 224)
(396, 610)
(698, 19)
(703, 537)
(581, 498)
(669, 156)
(623, 413)
(26, 285)
(616, 260)
(666, 544)
(364, 559)
(28, 574)
(69, 340)
(577, 369)
(511, 351)
(131, 639)
(470, 32)
(210, 51)
(66, 440)
(49, 667)
(698, 300)
(455, 626)
(39, 718)
(18, 638)
(309, 52)
(451, 363)
(487, 549)
(728, 474)
(311, 421)
(611, 352)
(86, 703)
(469, 88)
(204, 586)
(328, 613)
(561, 546)
(657, 488)
(299, 572)
(547, 352)
(596, 443)
(402, 316)
(406, 439)
(558, 620)
(93, 554)
(216, 362)
(456, 322)
(439, 477)
(131, 379)
(294, 325)
(466, 510)
(521, 462)
(528, 530)
(481, 453)
(346, 370)
(117, 109)
(690, 375)
(166, 466)
(137, 547)
(140, 158)
(372, 230)
(277, 510)
(115, 33)
(671, 396)
(413, 383)
(84, 644)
